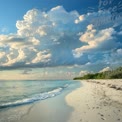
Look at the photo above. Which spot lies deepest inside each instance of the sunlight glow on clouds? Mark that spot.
(57, 38)
(95, 39)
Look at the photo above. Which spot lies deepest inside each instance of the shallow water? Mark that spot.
(36, 111)
(15, 93)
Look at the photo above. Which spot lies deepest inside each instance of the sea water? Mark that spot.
(16, 93)
(17, 98)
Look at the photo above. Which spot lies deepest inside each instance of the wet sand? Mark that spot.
(53, 109)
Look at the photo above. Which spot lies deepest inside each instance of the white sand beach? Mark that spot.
(54, 109)
(96, 101)
(93, 101)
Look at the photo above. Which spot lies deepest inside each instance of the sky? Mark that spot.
(58, 39)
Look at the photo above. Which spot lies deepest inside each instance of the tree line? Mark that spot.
(113, 74)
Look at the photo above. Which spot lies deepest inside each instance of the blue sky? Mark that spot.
(11, 11)
(68, 38)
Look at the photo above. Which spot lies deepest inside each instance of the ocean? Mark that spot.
(18, 93)
(17, 98)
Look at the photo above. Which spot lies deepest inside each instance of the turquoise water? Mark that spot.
(16, 93)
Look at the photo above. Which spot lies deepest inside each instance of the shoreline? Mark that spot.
(85, 101)
(96, 102)
(54, 109)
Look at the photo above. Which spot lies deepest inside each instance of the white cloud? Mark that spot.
(105, 69)
(80, 19)
(48, 38)
(94, 39)
(42, 56)
(36, 33)
(82, 73)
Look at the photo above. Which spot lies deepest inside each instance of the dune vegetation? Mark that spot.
(113, 74)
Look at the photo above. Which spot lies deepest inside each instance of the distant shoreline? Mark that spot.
(55, 109)
(112, 74)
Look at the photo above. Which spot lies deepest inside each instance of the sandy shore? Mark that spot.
(54, 109)
(96, 101)
(92, 101)
(51, 110)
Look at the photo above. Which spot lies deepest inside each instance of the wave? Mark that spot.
(35, 98)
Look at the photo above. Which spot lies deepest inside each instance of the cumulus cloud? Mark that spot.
(56, 37)
(42, 56)
(95, 40)
(82, 73)
(38, 36)
(105, 69)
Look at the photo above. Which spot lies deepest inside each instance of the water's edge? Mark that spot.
(56, 108)
(58, 105)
